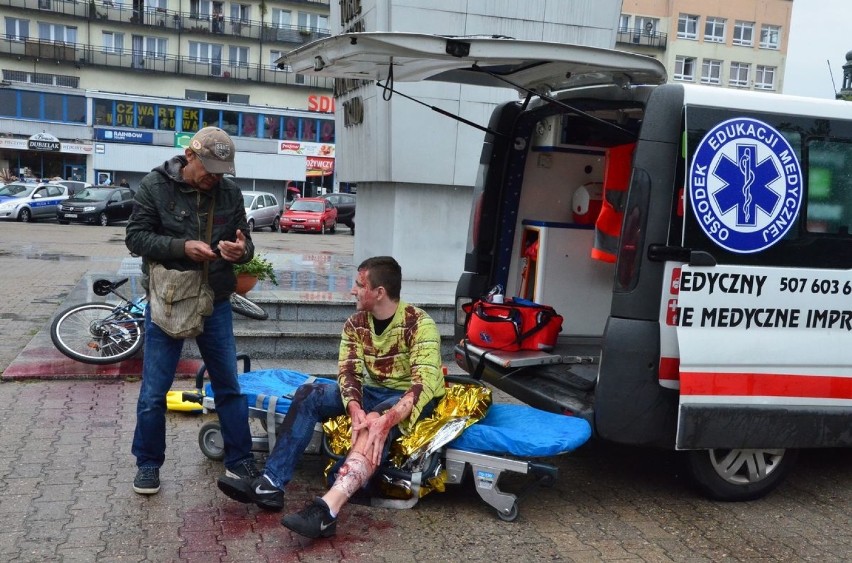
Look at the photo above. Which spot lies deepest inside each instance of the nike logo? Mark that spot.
(261, 491)
(324, 526)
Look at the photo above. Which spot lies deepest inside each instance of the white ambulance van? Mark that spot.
(695, 239)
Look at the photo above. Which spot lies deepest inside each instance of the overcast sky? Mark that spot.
(820, 31)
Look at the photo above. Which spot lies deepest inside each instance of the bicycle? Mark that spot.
(104, 333)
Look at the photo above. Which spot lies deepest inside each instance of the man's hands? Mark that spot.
(200, 251)
(377, 427)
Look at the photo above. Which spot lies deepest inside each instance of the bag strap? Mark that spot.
(209, 235)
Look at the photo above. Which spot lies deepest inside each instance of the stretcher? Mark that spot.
(501, 442)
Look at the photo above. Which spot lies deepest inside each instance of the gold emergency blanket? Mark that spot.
(461, 406)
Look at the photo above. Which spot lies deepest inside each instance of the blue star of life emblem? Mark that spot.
(745, 185)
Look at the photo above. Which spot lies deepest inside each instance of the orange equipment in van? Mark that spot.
(616, 181)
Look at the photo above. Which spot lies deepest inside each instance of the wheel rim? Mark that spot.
(742, 467)
(25, 215)
(251, 226)
(104, 220)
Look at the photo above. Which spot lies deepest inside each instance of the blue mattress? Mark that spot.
(523, 431)
(281, 383)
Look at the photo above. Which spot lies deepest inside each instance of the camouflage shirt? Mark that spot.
(406, 356)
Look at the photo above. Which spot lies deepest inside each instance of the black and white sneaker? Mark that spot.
(266, 495)
(147, 481)
(236, 482)
(313, 521)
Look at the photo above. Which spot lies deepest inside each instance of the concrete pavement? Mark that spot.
(66, 473)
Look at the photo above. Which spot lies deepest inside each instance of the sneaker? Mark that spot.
(313, 521)
(246, 469)
(147, 481)
(261, 492)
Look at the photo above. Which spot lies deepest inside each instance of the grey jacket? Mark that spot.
(167, 212)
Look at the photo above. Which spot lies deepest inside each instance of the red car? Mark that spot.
(310, 214)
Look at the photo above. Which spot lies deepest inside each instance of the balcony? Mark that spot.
(175, 21)
(81, 54)
(642, 38)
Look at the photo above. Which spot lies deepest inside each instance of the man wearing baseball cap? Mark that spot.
(169, 226)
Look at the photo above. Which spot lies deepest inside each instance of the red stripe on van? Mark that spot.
(765, 384)
(669, 368)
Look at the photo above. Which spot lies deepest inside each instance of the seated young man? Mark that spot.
(389, 376)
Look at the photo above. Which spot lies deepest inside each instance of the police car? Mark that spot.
(25, 202)
(696, 240)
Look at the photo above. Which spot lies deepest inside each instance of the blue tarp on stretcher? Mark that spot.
(517, 430)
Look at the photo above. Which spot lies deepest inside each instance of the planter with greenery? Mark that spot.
(255, 270)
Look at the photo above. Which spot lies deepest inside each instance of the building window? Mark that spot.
(238, 55)
(770, 37)
(240, 13)
(274, 56)
(714, 30)
(17, 29)
(711, 71)
(167, 118)
(313, 22)
(57, 32)
(739, 75)
(281, 18)
(687, 26)
(764, 77)
(155, 47)
(744, 33)
(684, 68)
(624, 22)
(271, 126)
(113, 42)
(645, 25)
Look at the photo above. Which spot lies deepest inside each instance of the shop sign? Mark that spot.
(124, 136)
(17, 144)
(323, 104)
(43, 142)
(182, 140)
(77, 148)
(300, 148)
(319, 166)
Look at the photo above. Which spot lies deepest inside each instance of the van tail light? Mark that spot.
(627, 269)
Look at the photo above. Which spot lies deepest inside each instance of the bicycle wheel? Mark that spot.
(243, 306)
(97, 333)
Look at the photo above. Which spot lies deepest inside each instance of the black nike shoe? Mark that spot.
(313, 521)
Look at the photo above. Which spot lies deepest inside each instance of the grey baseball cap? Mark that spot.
(215, 149)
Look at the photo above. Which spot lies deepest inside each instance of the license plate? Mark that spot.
(298, 226)
(71, 215)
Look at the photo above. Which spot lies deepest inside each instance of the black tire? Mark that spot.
(25, 216)
(322, 228)
(210, 441)
(285, 230)
(103, 220)
(247, 308)
(275, 223)
(251, 225)
(740, 474)
(93, 333)
(333, 228)
(62, 222)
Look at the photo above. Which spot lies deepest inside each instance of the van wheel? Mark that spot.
(740, 474)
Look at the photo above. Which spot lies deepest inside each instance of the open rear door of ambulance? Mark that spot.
(482, 61)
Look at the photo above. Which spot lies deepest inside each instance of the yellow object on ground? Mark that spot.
(175, 402)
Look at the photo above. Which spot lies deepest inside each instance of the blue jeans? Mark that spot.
(312, 403)
(162, 353)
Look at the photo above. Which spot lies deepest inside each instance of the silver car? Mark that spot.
(262, 210)
(28, 201)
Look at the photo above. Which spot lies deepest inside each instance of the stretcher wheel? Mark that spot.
(210, 441)
(509, 516)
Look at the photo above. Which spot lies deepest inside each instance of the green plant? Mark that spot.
(259, 267)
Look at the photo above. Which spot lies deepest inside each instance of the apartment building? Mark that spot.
(726, 43)
(121, 85)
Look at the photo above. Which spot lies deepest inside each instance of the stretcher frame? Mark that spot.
(486, 469)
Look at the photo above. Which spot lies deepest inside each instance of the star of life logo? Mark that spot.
(745, 185)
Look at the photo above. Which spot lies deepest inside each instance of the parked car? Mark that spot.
(26, 201)
(262, 210)
(74, 186)
(310, 214)
(99, 205)
(345, 204)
